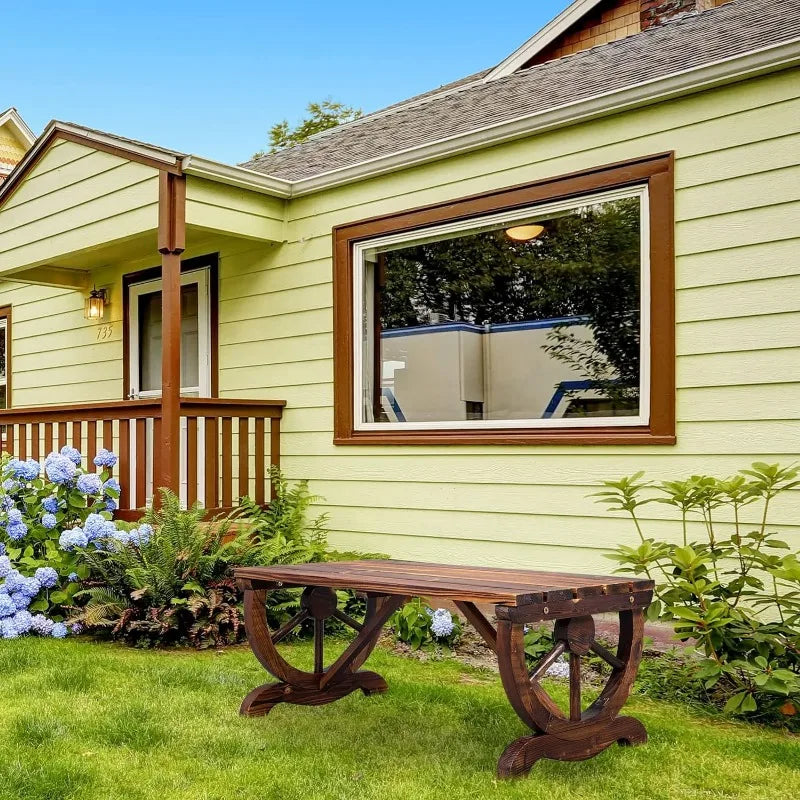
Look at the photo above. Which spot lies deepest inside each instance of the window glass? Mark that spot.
(533, 318)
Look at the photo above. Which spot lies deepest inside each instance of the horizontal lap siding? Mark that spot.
(738, 339)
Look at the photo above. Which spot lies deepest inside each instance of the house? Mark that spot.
(15, 140)
(454, 315)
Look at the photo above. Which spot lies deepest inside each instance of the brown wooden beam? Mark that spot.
(171, 243)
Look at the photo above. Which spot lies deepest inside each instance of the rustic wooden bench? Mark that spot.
(520, 597)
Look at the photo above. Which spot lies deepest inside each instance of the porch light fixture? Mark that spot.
(524, 233)
(95, 304)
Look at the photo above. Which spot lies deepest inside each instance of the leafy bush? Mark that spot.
(38, 510)
(167, 581)
(736, 596)
(417, 624)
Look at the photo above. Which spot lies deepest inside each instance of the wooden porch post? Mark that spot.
(171, 243)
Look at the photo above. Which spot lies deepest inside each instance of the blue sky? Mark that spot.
(211, 78)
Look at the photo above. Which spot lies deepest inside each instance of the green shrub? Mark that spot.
(418, 624)
(736, 596)
(173, 586)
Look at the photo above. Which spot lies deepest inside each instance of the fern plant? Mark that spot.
(175, 587)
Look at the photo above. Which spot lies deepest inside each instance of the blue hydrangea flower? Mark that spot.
(22, 621)
(2, 549)
(15, 515)
(14, 581)
(10, 485)
(59, 630)
(73, 577)
(5, 565)
(46, 576)
(441, 623)
(59, 468)
(105, 458)
(113, 484)
(8, 630)
(20, 600)
(17, 530)
(32, 586)
(121, 537)
(111, 504)
(49, 521)
(50, 504)
(90, 483)
(6, 502)
(73, 538)
(141, 535)
(7, 606)
(77, 628)
(97, 527)
(72, 454)
(23, 471)
(41, 625)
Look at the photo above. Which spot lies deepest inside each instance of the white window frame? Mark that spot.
(361, 250)
(4, 377)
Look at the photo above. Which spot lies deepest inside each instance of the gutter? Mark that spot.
(736, 68)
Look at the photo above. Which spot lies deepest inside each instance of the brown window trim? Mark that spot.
(5, 313)
(187, 265)
(657, 171)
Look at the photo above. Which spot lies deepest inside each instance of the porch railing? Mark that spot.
(225, 445)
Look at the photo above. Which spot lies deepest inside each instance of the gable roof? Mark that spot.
(547, 35)
(678, 52)
(22, 138)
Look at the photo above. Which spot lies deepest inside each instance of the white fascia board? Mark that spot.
(566, 19)
(236, 176)
(11, 116)
(707, 76)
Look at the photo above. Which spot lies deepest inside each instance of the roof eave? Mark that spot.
(12, 116)
(718, 73)
(242, 177)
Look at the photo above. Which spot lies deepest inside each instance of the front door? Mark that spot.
(144, 346)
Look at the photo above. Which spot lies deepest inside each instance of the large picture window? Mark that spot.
(533, 322)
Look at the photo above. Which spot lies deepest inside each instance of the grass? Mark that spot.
(85, 721)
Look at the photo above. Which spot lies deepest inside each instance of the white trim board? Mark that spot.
(548, 34)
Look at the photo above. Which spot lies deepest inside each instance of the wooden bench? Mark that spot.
(521, 597)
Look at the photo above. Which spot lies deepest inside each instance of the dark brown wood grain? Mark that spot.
(567, 734)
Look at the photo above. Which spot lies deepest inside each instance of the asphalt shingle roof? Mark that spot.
(686, 42)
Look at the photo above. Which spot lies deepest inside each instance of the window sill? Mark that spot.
(572, 436)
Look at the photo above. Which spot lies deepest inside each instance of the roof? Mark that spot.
(677, 46)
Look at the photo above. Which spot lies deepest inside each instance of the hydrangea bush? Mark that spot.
(44, 513)
(417, 624)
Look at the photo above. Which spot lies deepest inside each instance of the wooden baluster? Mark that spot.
(191, 461)
(35, 453)
(108, 434)
(212, 462)
(124, 465)
(260, 461)
(22, 450)
(77, 436)
(244, 456)
(158, 443)
(141, 463)
(274, 448)
(51, 437)
(227, 462)
(91, 444)
(62, 434)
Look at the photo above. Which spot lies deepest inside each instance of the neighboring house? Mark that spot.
(474, 304)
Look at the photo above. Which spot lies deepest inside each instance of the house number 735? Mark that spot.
(104, 332)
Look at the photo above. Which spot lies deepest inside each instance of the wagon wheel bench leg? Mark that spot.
(582, 732)
(324, 684)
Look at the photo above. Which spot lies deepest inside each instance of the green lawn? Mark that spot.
(100, 722)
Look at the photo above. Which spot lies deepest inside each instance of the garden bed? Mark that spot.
(83, 721)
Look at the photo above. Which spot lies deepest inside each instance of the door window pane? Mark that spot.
(533, 319)
(150, 339)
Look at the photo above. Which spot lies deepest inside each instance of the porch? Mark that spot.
(84, 212)
(224, 446)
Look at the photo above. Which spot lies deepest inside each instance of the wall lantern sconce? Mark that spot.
(96, 304)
